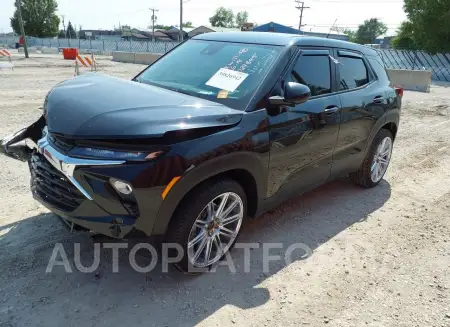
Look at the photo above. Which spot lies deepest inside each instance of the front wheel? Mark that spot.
(377, 160)
(207, 223)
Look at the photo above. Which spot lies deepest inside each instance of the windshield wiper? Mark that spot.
(165, 87)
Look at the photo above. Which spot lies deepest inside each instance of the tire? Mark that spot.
(364, 176)
(197, 209)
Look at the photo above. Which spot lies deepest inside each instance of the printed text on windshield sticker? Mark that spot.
(227, 79)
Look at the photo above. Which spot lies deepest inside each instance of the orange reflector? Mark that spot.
(169, 186)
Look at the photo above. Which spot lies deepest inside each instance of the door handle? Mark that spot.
(378, 99)
(331, 110)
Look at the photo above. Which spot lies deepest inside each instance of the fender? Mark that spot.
(254, 163)
(391, 116)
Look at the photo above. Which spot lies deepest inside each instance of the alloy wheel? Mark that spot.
(381, 159)
(215, 229)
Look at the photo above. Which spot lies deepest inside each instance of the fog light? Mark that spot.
(121, 187)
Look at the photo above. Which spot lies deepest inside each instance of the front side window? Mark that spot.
(353, 73)
(224, 72)
(313, 71)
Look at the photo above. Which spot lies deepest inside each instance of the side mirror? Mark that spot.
(294, 93)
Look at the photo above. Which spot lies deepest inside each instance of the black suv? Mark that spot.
(223, 127)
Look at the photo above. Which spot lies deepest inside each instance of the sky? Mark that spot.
(107, 14)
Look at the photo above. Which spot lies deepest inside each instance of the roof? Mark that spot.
(282, 39)
(160, 35)
(174, 29)
(278, 27)
(203, 27)
(139, 35)
(223, 29)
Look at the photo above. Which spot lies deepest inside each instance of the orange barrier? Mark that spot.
(5, 53)
(85, 61)
(70, 53)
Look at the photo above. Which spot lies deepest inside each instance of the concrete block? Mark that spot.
(123, 56)
(30, 50)
(414, 80)
(136, 58)
(50, 50)
(84, 51)
(146, 58)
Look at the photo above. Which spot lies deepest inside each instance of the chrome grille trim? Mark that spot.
(66, 164)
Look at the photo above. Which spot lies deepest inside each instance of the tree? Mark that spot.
(39, 18)
(61, 34)
(405, 39)
(351, 35)
(161, 27)
(430, 24)
(369, 31)
(188, 24)
(241, 18)
(222, 18)
(71, 33)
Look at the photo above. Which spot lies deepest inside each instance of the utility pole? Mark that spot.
(64, 25)
(22, 29)
(300, 6)
(153, 22)
(181, 20)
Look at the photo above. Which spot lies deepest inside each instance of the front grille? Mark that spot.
(52, 186)
(61, 143)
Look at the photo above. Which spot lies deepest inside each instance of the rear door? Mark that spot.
(363, 102)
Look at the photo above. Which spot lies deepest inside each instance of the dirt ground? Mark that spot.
(381, 257)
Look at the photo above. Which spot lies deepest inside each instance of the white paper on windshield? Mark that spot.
(227, 79)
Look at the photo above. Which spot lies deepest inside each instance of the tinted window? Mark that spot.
(378, 67)
(190, 69)
(353, 73)
(315, 72)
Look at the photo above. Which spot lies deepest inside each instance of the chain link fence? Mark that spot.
(100, 45)
(438, 64)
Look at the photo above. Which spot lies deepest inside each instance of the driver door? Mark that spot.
(303, 137)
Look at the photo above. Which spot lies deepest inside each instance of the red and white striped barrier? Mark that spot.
(85, 61)
(5, 53)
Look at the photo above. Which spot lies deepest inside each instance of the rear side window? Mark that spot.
(353, 73)
(313, 71)
(378, 68)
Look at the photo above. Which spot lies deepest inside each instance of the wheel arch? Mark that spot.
(389, 121)
(391, 127)
(245, 168)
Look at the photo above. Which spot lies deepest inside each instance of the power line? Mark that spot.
(301, 8)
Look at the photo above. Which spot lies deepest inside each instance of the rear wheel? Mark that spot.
(377, 160)
(207, 223)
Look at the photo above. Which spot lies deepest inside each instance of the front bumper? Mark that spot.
(80, 191)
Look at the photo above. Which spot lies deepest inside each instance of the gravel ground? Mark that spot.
(380, 257)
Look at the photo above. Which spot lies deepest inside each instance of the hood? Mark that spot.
(99, 106)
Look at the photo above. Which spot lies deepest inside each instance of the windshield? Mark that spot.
(228, 73)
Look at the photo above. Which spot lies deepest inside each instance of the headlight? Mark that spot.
(93, 153)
